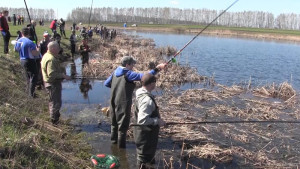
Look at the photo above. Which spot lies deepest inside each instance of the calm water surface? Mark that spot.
(235, 60)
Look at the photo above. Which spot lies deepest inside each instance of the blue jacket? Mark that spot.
(131, 75)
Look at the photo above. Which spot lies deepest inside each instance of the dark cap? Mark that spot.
(25, 31)
(148, 79)
(127, 60)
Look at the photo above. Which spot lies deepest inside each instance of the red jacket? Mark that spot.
(3, 24)
(53, 25)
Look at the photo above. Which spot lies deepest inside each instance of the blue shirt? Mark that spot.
(131, 75)
(24, 46)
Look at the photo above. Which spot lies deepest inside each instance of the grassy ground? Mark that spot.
(27, 138)
(188, 28)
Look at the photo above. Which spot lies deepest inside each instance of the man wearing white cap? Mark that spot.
(122, 85)
(43, 46)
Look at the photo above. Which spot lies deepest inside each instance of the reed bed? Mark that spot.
(252, 145)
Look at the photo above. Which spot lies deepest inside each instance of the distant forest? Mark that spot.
(252, 19)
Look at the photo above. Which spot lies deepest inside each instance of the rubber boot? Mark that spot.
(122, 139)
(114, 135)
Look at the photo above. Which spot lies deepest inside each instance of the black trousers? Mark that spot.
(6, 37)
(31, 74)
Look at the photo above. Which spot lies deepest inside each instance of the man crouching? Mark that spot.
(147, 115)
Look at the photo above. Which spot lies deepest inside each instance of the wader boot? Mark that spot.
(114, 135)
(122, 139)
(120, 109)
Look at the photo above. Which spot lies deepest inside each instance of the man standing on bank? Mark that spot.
(122, 85)
(147, 115)
(28, 52)
(4, 28)
(53, 75)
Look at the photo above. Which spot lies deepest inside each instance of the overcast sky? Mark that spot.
(63, 7)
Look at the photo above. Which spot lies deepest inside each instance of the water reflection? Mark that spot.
(121, 154)
(73, 69)
(84, 87)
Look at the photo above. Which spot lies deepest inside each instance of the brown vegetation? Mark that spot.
(250, 144)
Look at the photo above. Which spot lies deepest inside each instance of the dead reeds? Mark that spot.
(255, 145)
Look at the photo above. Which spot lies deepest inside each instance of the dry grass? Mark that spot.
(244, 144)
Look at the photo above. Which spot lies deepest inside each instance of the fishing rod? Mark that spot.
(91, 12)
(88, 77)
(177, 53)
(31, 24)
(228, 122)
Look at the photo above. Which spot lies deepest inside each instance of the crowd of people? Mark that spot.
(42, 68)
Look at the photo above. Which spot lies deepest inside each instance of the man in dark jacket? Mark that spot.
(4, 28)
(14, 19)
(122, 85)
(147, 116)
(32, 34)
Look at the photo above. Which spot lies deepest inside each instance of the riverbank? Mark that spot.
(254, 33)
(222, 143)
(28, 140)
(27, 137)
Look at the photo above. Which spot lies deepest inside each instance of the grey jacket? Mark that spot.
(146, 106)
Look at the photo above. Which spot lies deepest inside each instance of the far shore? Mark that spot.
(268, 34)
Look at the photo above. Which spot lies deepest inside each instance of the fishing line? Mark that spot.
(228, 122)
(177, 53)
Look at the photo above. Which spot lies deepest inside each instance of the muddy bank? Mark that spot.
(218, 145)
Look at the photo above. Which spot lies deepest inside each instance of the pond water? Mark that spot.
(230, 60)
(235, 60)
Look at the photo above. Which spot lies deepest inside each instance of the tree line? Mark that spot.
(36, 14)
(156, 15)
(252, 19)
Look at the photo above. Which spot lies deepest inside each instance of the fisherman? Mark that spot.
(53, 74)
(84, 50)
(43, 46)
(74, 26)
(122, 85)
(14, 19)
(147, 116)
(32, 34)
(44, 43)
(22, 19)
(90, 32)
(28, 52)
(73, 43)
(19, 20)
(4, 28)
(53, 25)
(62, 24)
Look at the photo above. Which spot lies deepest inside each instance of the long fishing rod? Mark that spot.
(228, 122)
(32, 26)
(177, 53)
(27, 10)
(90, 12)
(88, 77)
